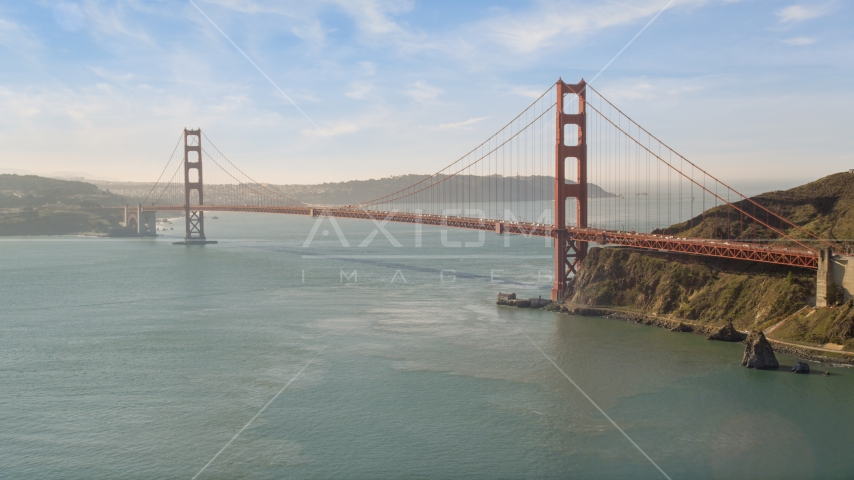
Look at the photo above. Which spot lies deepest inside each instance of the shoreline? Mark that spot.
(687, 326)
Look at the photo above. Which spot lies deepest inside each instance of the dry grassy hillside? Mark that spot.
(707, 290)
(824, 207)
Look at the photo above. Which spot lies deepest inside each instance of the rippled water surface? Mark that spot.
(127, 358)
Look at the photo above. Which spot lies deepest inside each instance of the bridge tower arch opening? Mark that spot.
(131, 219)
(569, 251)
(194, 218)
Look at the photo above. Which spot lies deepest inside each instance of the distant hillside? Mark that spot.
(33, 191)
(824, 207)
(32, 205)
(343, 193)
(355, 191)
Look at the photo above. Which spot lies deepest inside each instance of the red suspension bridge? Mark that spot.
(571, 166)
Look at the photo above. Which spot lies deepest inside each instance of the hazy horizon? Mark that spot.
(748, 188)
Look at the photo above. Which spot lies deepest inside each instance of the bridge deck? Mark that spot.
(734, 249)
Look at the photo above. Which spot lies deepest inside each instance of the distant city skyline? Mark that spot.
(757, 92)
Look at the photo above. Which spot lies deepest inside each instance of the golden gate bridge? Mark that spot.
(572, 167)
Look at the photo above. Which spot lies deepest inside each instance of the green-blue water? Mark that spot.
(126, 358)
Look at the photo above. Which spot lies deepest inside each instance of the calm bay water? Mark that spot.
(139, 359)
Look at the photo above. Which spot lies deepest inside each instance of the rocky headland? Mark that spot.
(701, 295)
(704, 291)
(721, 299)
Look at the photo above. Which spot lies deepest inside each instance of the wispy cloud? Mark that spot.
(111, 76)
(339, 129)
(458, 125)
(368, 68)
(16, 37)
(311, 31)
(423, 93)
(797, 13)
(359, 90)
(553, 21)
(106, 20)
(646, 89)
(376, 17)
(307, 97)
(517, 33)
(372, 18)
(798, 41)
(77, 67)
(90, 123)
(69, 16)
(528, 92)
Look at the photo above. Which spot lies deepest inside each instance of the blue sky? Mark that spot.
(754, 91)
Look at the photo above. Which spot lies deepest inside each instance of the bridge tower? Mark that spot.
(194, 219)
(569, 252)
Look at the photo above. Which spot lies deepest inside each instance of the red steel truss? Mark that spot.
(792, 257)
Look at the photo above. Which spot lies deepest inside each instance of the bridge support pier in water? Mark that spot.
(569, 252)
(146, 222)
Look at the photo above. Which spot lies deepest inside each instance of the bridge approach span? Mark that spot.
(793, 257)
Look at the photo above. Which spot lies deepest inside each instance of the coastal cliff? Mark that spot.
(702, 294)
(710, 296)
(707, 291)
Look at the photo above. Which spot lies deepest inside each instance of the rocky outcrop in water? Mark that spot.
(758, 354)
(801, 367)
(728, 333)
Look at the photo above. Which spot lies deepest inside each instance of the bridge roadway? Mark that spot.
(793, 257)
